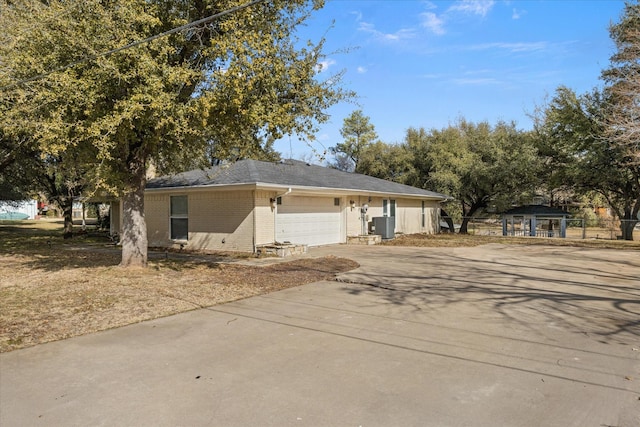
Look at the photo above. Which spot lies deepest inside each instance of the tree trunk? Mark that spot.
(446, 218)
(134, 226)
(626, 227)
(466, 216)
(67, 213)
(629, 220)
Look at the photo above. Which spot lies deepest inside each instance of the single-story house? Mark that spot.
(247, 204)
(535, 221)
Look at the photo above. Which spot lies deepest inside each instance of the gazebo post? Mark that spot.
(504, 226)
(563, 227)
(532, 232)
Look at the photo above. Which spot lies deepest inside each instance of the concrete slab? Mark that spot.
(513, 336)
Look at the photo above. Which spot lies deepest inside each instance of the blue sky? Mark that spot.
(427, 63)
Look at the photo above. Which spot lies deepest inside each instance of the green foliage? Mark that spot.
(479, 165)
(579, 154)
(358, 134)
(225, 89)
(385, 161)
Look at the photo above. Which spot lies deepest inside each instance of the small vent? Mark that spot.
(336, 201)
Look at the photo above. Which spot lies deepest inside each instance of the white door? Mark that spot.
(313, 221)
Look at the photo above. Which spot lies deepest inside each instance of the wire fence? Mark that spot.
(607, 229)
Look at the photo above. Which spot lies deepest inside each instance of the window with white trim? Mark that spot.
(179, 218)
(388, 207)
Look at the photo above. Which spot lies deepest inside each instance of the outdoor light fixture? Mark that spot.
(273, 202)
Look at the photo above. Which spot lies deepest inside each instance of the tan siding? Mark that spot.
(432, 213)
(409, 216)
(156, 209)
(354, 222)
(214, 217)
(221, 221)
(265, 218)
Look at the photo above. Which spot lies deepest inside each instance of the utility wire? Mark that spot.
(197, 23)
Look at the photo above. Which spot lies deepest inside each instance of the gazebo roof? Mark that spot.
(536, 210)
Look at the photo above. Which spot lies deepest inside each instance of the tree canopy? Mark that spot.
(358, 133)
(76, 77)
(581, 157)
(479, 165)
(622, 79)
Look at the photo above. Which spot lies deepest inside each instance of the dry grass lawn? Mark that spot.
(51, 289)
(458, 240)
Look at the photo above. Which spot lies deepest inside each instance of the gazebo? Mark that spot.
(535, 221)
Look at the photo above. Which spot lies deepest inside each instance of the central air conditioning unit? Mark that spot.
(385, 226)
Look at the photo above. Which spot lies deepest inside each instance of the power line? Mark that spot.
(197, 23)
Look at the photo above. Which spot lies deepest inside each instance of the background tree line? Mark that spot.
(581, 147)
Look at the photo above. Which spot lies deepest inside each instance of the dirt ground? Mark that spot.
(52, 289)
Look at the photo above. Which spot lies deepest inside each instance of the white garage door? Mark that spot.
(308, 220)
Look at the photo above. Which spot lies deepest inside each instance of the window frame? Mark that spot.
(389, 207)
(178, 216)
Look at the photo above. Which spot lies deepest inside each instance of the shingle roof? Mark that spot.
(538, 210)
(288, 173)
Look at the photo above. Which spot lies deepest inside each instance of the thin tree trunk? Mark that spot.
(67, 214)
(134, 226)
(446, 218)
(464, 227)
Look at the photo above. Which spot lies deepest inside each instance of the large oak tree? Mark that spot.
(76, 77)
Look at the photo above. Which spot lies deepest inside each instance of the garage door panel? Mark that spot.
(311, 221)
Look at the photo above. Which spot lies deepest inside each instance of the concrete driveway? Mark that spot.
(488, 336)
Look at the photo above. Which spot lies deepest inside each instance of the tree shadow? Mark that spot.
(604, 303)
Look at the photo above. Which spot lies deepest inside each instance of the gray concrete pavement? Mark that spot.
(489, 336)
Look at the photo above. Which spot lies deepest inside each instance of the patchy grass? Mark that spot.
(52, 289)
(462, 240)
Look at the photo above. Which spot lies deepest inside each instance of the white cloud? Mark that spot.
(517, 14)
(361, 70)
(428, 5)
(325, 65)
(512, 47)
(432, 22)
(401, 34)
(475, 7)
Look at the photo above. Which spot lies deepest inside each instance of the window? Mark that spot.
(424, 220)
(336, 201)
(279, 200)
(179, 218)
(388, 207)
